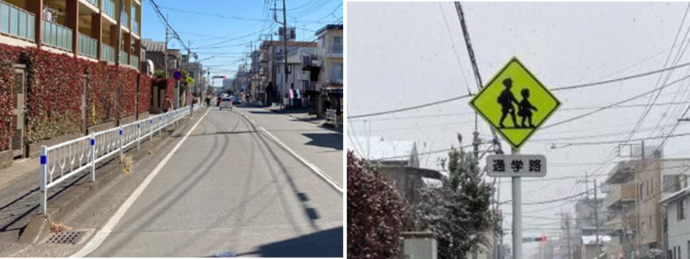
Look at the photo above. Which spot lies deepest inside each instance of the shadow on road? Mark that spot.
(326, 243)
(328, 140)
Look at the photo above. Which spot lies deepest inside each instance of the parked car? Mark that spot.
(237, 100)
(225, 102)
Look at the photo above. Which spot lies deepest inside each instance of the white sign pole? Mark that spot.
(517, 214)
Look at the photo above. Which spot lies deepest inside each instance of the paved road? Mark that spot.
(229, 187)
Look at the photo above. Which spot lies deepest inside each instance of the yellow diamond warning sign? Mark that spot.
(515, 103)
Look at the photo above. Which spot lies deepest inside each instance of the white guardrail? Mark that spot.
(67, 159)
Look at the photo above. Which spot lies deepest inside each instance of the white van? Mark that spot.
(225, 102)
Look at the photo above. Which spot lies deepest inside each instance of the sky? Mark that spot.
(223, 32)
(406, 54)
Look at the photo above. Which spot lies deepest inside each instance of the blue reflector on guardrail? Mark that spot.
(93, 142)
(120, 132)
(44, 160)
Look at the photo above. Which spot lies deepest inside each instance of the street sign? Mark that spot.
(177, 75)
(515, 103)
(516, 165)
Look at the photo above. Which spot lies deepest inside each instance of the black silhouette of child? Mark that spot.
(525, 108)
(506, 99)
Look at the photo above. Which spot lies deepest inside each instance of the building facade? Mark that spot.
(154, 52)
(677, 230)
(331, 80)
(272, 67)
(636, 188)
(86, 29)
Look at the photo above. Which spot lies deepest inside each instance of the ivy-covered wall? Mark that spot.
(55, 87)
(7, 58)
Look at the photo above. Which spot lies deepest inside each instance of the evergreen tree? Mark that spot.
(459, 211)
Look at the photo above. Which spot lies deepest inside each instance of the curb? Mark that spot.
(39, 225)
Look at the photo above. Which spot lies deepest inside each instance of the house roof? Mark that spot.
(154, 46)
(328, 28)
(377, 148)
(676, 195)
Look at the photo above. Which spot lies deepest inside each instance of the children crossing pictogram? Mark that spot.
(515, 103)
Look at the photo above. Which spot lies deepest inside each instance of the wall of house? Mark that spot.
(649, 210)
(679, 230)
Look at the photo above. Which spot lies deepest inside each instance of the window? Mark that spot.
(681, 209)
(337, 45)
(641, 191)
(337, 71)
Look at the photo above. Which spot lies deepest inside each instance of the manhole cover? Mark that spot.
(68, 237)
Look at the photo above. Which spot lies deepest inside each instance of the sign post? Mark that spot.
(515, 104)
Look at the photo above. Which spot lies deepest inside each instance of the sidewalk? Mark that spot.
(19, 167)
(302, 114)
(20, 195)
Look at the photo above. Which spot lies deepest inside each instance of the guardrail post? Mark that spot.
(138, 136)
(44, 173)
(93, 157)
(121, 142)
(160, 127)
(150, 131)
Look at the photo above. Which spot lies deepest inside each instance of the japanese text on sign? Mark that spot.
(516, 165)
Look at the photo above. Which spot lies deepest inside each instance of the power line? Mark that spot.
(410, 108)
(571, 87)
(614, 104)
(565, 88)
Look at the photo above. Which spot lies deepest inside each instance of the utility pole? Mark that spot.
(165, 53)
(117, 60)
(475, 140)
(596, 217)
(285, 35)
(567, 238)
(273, 70)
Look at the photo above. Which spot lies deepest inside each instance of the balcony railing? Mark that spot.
(620, 194)
(135, 26)
(124, 18)
(123, 58)
(109, 8)
(134, 60)
(16, 22)
(107, 53)
(57, 36)
(87, 46)
(93, 2)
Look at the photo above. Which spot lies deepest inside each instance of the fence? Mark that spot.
(87, 46)
(107, 53)
(332, 117)
(109, 8)
(135, 26)
(56, 35)
(82, 154)
(17, 22)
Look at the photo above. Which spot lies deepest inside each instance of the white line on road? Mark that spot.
(108, 228)
(316, 170)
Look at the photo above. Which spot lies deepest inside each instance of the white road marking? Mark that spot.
(311, 166)
(108, 228)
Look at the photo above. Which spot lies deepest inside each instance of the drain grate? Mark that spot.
(67, 237)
